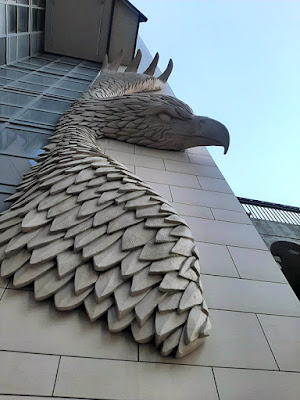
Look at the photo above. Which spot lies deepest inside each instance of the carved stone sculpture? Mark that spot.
(84, 229)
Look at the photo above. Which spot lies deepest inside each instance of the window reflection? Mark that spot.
(2, 21)
(3, 51)
(23, 143)
(23, 46)
(23, 19)
(15, 99)
(8, 111)
(34, 19)
(40, 117)
(12, 48)
(12, 19)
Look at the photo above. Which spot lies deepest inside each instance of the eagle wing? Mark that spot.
(84, 229)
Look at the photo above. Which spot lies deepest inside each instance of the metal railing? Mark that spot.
(271, 211)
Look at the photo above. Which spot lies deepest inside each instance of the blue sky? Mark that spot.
(238, 62)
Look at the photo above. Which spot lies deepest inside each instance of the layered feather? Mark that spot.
(84, 229)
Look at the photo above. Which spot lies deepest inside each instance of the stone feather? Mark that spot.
(84, 229)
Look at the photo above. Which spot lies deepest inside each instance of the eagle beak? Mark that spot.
(211, 132)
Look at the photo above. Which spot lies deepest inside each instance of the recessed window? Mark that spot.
(5, 81)
(3, 51)
(34, 19)
(12, 19)
(40, 79)
(23, 46)
(38, 3)
(66, 93)
(29, 86)
(41, 20)
(8, 111)
(73, 85)
(12, 48)
(15, 99)
(52, 105)
(2, 21)
(21, 142)
(40, 117)
(11, 73)
(23, 19)
(12, 169)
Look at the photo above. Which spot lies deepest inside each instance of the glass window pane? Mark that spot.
(8, 111)
(12, 48)
(80, 77)
(37, 61)
(15, 99)
(23, 142)
(2, 21)
(40, 42)
(41, 20)
(23, 1)
(24, 66)
(33, 44)
(49, 57)
(73, 85)
(4, 205)
(11, 73)
(71, 60)
(3, 51)
(5, 81)
(34, 19)
(23, 46)
(92, 64)
(40, 117)
(39, 3)
(13, 168)
(52, 105)
(29, 86)
(12, 19)
(66, 93)
(7, 189)
(40, 79)
(54, 71)
(61, 66)
(23, 19)
(86, 71)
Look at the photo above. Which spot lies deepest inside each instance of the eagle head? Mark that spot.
(127, 106)
(159, 121)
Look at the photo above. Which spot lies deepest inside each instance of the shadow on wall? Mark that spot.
(289, 254)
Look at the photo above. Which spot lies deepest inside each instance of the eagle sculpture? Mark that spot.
(84, 229)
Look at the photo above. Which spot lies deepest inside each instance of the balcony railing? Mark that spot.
(271, 211)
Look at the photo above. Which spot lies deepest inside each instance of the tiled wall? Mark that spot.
(253, 352)
(22, 25)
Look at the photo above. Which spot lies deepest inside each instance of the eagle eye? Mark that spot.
(164, 117)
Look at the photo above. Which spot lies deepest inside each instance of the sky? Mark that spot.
(238, 62)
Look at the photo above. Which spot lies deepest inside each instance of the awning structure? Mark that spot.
(88, 29)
